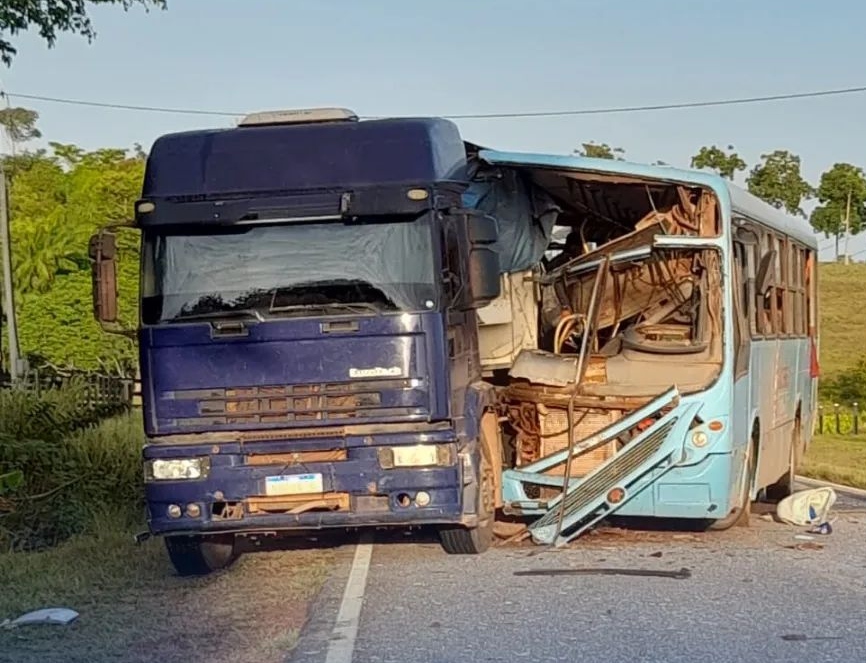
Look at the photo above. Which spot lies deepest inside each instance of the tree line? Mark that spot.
(58, 197)
(777, 179)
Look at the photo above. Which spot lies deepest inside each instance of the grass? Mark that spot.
(837, 458)
(66, 541)
(71, 478)
(843, 317)
(133, 608)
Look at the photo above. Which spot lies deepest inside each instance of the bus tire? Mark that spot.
(200, 555)
(741, 514)
(474, 540)
(785, 485)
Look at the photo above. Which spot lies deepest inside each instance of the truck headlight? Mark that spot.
(176, 469)
(419, 455)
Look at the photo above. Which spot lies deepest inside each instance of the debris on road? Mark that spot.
(800, 637)
(808, 545)
(682, 574)
(60, 616)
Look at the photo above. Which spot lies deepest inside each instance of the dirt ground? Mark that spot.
(133, 608)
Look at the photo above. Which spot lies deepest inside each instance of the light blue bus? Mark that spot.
(676, 347)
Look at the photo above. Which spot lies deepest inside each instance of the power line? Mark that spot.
(473, 116)
(99, 104)
(657, 107)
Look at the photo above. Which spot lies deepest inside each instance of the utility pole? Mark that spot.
(8, 290)
(847, 226)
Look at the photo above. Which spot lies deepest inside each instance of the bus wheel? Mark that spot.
(785, 486)
(475, 540)
(742, 512)
(200, 555)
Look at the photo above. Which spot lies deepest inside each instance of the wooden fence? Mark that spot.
(102, 395)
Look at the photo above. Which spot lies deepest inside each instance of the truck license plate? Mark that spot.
(294, 484)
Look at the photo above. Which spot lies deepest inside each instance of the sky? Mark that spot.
(385, 57)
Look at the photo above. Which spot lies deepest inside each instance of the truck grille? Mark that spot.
(279, 404)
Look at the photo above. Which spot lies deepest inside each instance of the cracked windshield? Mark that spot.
(381, 339)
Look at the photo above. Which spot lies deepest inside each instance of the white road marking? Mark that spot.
(342, 644)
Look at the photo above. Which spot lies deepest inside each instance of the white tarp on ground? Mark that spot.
(807, 507)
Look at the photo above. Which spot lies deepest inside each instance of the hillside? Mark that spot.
(843, 316)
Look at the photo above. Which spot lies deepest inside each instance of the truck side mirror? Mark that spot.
(483, 272)
(103, 255)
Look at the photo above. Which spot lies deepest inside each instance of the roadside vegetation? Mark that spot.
(837, 458)
(70, 503)
(841, 458)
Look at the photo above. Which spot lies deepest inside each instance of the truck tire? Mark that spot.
(200, 555)
(474, 540)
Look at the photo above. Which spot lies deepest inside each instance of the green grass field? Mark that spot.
(837, 458)
(840, 458)
(842, 316)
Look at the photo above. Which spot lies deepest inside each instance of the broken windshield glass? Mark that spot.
(288, 269)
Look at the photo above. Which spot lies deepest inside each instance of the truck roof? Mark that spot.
(275, 158)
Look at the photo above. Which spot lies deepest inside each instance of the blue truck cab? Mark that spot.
(308, 331)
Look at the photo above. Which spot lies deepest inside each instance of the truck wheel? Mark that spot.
(475, 540)
(200, 555)
(741, 514)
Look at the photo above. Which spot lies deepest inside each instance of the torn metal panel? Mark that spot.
(640, 462)
(540, 367)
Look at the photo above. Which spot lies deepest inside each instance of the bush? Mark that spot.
(71, 479)
(849, 386)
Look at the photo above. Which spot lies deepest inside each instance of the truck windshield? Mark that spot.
(287, 270)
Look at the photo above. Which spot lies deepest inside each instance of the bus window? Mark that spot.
(789, 283)
(799, 293)
(767, 304)
(811, 294)
(742, 317)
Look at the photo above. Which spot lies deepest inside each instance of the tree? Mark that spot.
(842, 197)
(778, 181)
(600, 151)
(51, 17)
(20, 124)
(58, 198)
(726, 164)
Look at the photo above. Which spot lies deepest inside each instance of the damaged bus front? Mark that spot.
(644, 343)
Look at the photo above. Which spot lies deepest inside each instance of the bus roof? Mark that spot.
(741, 201)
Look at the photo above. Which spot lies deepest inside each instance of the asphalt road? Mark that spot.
(749, 594)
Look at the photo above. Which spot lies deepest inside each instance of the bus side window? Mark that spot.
(767, 304)
(755, 312)
(799, 292)
(743, 318)
(807, 296)
(778, 286)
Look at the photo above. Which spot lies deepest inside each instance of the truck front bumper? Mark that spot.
(312, 484)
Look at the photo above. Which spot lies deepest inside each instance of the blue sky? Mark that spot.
(382, 57)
